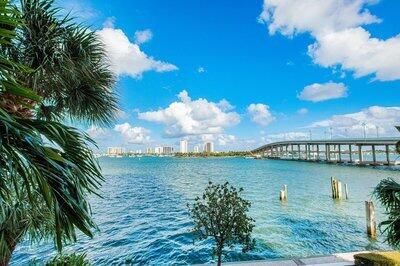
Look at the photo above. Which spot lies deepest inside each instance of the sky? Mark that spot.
(245, 73)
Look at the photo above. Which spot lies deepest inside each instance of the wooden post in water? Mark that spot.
(283, 193)
(370, 216)
(336, 188)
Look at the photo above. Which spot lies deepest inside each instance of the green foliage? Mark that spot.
(69, 260)
(69, 66)
(221, 213)
(46, 168)
(388, 193)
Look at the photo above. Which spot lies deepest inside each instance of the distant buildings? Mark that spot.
(166, 150)
(158, 150)
(196, 149)
(115, 151)
(149, 151)
(208, 147)
(183, 148)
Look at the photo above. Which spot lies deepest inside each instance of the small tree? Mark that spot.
(221, 213)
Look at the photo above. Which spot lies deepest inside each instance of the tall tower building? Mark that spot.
(183, 146)
(209, 147)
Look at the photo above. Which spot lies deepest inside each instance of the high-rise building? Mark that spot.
(113, 151)
(158, 150)
(196, 149)
(149, 151)
(208, 147)
(166, 150)
(183, 146)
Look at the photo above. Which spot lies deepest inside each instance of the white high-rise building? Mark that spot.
(149, 151)
(158, 150)
(183, 146)
(196, 149)
(208, 147)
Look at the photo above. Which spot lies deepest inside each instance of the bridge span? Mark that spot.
(370, 151)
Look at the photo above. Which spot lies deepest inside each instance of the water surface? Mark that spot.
(143, 218)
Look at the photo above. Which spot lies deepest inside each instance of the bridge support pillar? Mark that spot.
(350, 154)
(299, 151)
(318, 152)
(328, 152)
(340, 153)
(387, 154)
(360, 154)
(373, 154)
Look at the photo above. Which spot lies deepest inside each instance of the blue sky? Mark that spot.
(284, 68)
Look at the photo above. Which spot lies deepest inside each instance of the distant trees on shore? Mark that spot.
(215, 154)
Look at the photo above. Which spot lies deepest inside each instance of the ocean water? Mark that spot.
(143, 217)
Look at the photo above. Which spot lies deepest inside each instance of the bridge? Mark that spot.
(369, 151)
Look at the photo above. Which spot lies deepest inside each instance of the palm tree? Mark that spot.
(46, 168)
(388, 193)
(69, 67)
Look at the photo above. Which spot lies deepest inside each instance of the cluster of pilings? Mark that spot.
(336, 187)
(351, 151)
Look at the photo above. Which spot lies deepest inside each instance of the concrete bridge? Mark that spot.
(377, 151)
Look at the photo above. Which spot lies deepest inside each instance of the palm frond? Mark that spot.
(388, 193)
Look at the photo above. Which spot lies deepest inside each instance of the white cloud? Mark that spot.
(386, 118)
(260, 114)
(354, 49)
(302, 111)
(225, 105)
(133, 135)
(201, 70)
(340, 39)
(126, 58)
(192, 117)
(98, 133)
(321, 92)
(316, 16)
(143, 36)
(296, 135)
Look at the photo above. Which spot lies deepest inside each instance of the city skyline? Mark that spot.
(262, 75)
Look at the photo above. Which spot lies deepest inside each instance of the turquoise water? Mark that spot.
(143, 218)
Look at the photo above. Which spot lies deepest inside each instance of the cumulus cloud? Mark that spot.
(316, 16)
(192, 117)
(126, 58)
(121, 133)
(340, 39)
(133, 135)
(143, 36)
(354, 49)
(295, 135)
(352, 124)
(98, 133)
(302, 111)
(260, 114)
(321, 92)
(201, 70)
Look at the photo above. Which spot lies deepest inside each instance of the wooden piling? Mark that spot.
(370, 217)
(336, 188)
(283, 194)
